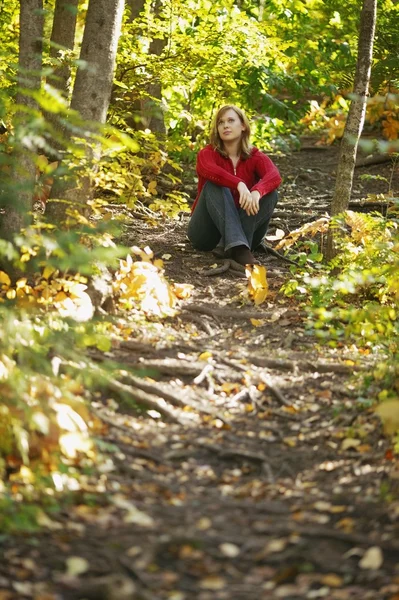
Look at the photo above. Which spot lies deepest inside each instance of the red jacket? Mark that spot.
(258, 172)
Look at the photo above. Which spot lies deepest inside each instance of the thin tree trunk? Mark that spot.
(135, 6)
(31, 23)
(63, 38)
(152, 111)
(91, 93)
(356, 115)
(92, 89)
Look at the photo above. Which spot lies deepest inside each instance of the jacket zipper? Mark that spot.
(235, 167)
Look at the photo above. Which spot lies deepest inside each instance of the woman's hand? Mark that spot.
(249, 201)
(245, 200)
(255, 201)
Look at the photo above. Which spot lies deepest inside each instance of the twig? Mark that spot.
(203, 324)
(176, 400)
(237, 313)
(141, 397)
(232, 452)
(277, 393)
(218, 270)
(292, 365)
(203, 375)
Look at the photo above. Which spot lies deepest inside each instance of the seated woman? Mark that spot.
(236, 190)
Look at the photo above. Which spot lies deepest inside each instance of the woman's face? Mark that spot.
(229, 126)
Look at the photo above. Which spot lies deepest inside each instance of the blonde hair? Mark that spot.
(217, 143)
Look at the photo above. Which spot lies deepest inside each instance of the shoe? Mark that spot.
(219, 252)
(243, 255)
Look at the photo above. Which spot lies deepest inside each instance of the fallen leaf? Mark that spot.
(258, 288)
(205, 355)
(166, 256)
(203, 524)
(372, 559)
(230, 550)
(347, 524)
(133, 514)
(213, 582)
(332, 580)
(257, 322)
(76, 565)
(388, 411)
(350, 443)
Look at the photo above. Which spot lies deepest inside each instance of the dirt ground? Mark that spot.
(266, 476)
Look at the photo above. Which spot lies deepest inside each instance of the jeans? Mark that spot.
(216, 220)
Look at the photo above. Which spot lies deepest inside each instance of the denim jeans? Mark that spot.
(216, 221)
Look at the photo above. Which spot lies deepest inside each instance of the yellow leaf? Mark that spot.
(76, 565)
(257, 283)
(21, 283)
(60, 297)
(230, 388)
(390, 128)
(290, 441)
(332, 580)
(257, 322)
(350, 443)
(4, 278)
(372, 559)
(388, 412)
(47, 272)
(182, 290)
(213, 582)
(11, 294)
(152, 187)
(205, 356)
(347, 525)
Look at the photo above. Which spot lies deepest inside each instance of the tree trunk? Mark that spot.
(63, 37)
(135, 6)
(355, 120)
(91, 92)
(152, 105)
(31, 23)
(92, 89)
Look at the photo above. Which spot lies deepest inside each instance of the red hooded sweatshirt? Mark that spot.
(258, 172)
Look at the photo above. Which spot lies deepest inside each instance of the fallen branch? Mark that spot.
(302, 365)
(145, 399)
(277, 393)
(218, 270)
(236, 313)
(178, 399)
(373, 159)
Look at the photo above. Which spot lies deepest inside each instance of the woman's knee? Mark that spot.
(269, 201)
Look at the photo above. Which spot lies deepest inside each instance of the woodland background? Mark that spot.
(103, 108)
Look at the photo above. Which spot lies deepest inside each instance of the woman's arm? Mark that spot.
(209, 170)
(268, 173)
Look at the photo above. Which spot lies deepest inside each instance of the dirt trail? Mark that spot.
(263, 479)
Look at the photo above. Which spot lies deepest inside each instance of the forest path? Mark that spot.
(266, 477)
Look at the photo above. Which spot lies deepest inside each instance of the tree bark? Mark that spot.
(152, 105)
(31, 22)
(63, 37)
(356, 115)
(92, 89)
(135, 6)
(91, 93)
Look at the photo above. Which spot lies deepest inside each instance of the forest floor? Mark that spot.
(267, 476)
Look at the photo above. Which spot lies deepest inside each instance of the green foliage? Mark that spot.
(355, 298)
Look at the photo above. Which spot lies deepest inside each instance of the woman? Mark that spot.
(236, 190)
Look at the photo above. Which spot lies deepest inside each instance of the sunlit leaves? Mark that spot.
(142, 284)
(258, 288)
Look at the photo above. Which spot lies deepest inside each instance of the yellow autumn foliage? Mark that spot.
(258, 288)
